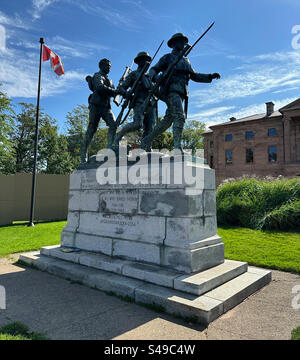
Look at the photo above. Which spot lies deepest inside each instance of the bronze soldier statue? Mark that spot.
(176, 91)
(99, 106)
(141, 119)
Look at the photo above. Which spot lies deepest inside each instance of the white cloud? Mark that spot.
(138, 5)
(285, 90)
(210, 112)
(107, 13)
(39, 6)
(75, 48)
(65, 48)
(20, 78)
(278, 57)
(278, 72)
(19, 59)
(224, 115)
(15, 21)
(2, 38)
(132, 18)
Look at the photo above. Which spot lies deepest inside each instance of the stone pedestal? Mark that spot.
(151, 235)
(162, 224)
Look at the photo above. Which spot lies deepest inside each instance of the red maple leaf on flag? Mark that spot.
(55, 60)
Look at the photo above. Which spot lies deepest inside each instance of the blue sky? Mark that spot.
(250, 46)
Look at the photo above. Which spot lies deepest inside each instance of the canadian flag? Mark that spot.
(55, 60)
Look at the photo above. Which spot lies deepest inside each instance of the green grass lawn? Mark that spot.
(21, 238)
(270, 249)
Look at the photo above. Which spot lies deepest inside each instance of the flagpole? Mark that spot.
(36, 140)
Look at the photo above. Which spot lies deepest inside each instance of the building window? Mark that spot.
(228, 137)
(249, 135)
(228, 157)
(272, 132)
(272, 153)
(249, 156)
(211, 161)
(211, 144)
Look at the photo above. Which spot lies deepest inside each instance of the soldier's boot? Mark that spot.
(177, 135)
(111, 137)
(91, 129)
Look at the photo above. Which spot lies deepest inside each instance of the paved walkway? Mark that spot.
(64, 310)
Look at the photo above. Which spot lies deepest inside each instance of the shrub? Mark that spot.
(18, 331)
(15, 329)
(296, 334)
(260, 204)
(235, 211)
(12, 337)
(285, 217)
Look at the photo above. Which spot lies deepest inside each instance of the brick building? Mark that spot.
(263, 145)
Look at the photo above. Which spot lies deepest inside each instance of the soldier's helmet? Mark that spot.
(142, 54)
(175, 37)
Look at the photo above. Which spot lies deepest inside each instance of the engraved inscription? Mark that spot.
(128, 227)
(119, 201)
(115, 220)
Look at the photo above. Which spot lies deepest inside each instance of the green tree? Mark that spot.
(6, 128)
(192, 135)
(54, 157)
(53, 154)
(163, 141)
(99, 141)
(23, 137)
(77, 121)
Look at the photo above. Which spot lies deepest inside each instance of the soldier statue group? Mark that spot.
(167, 81)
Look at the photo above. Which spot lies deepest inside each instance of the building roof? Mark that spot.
(292, 106)
(249, 118)
(208, 131)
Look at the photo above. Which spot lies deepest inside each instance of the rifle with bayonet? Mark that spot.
(130, 94)
(164, 79)
(118, 99)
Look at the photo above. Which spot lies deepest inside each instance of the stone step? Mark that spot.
(203, 308)
(238, 289)
(150, 273)
(207, 280)
(195, 284)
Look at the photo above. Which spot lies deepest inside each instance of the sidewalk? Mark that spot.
(63, 310)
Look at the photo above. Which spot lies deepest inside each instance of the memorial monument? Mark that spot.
(144, 225)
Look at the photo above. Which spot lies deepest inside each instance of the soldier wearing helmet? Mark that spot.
(141, 119)
(176, 91)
